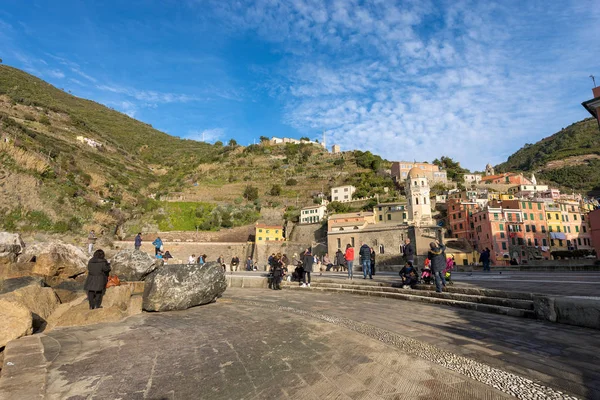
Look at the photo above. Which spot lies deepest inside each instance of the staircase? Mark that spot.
(486, 300)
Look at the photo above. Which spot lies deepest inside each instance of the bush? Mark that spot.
(44, 120)
(250, 193)
(291, 182)
(275, 190)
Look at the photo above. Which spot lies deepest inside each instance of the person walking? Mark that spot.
(91, 241)
(409, 251)
(365, 260)
(307, 264)
(95, 283)
(138, 241)
(484, 258)
(372, 261)
(349, 258)
(438, 263)
(157, 245)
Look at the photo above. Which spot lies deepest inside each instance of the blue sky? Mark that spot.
(474, 80)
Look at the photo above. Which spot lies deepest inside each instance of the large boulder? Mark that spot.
(31, 293)
(132, 265)
(11, 245)
(178, 287)
(16, 321)
(54, 259)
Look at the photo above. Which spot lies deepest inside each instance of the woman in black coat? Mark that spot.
(95, 283)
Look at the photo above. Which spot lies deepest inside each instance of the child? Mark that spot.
(449, 267)
(426, 275)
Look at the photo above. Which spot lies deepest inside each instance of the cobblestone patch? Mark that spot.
(517, 386)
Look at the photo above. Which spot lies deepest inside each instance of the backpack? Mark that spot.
(113, 280)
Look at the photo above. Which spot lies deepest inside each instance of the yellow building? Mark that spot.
(268, 233)
(390, 213)
(505, 196)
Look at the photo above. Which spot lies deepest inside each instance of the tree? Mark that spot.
(232, 143)
(275, 190)
(218, 143)
(305, 138)
(264, 139)
(251, 193)
(337, 207)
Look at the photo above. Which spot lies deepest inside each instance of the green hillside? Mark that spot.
(569, 159)
(49, 181)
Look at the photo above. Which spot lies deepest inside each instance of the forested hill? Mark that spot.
(570, 158)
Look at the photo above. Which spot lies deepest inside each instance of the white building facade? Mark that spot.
(342, 193)
(313, 215)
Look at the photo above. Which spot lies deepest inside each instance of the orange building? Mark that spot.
(459, 221)
(507, 178)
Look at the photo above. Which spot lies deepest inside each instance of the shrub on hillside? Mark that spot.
(291, 182)
(250, 193)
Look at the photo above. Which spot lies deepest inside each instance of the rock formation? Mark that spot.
(11, 245)
(54, 259)
(178, 287)
(132, 265)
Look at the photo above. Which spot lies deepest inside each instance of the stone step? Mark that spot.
(497, 301)
(448, 289)
(414, 295)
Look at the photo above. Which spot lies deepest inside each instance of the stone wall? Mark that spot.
(182, 250)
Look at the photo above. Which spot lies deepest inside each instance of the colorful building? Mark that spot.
(350, 219)
(507, 178)
(268, 233)
(432, 172)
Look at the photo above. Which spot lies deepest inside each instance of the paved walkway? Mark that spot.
(231, 350)
(263, 344)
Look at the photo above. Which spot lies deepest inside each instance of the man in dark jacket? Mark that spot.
(307, 264)
(365, 260)
(484, 258)
(372, 261)
(235, 261)
(438, 263)
(95, 283)
(408, 251)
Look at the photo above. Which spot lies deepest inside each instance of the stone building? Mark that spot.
(336, 149)
(489, 170)
(417, 192)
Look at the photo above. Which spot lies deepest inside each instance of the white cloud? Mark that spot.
(149, 95)
(56, 73)
(472, 80)
(207, 135)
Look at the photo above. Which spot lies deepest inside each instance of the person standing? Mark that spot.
(95, 283)
(138, 241)
(409, 251)
(157, 245)
(438, 264)
(277, 270)
(235, 261)
(484, 258)
(249, 264)
(307, 264)
(365, 260)
(372, 261)
(340, 260)
(91, 241)
(349, 257)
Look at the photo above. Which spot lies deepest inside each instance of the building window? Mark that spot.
(460, 226)
(501, 227)
(541, 216)
(389, 217)
(549, 216)
(345, 189)
(531, 217)
(569, 229)
(579, 241)
(552, 242)
(339, 243)
(335, 190)
(549, 228)
(496, 216)
(544, 242)
(543, 229)
(381, 217)
(539, 206)
(352, 241)
(558, 229)
(502, 235)
(523, 205)
(525, 216)
(529, 205)
(535, 242)
(584, 228)
(416, 201)
(575, 217)
(533, 229)
(381, 249)
(527, 228)
(513, 241)
(267, 238)
(345, 197)
(528, 242)
(577, 229)
(259, 238)
(556, 215)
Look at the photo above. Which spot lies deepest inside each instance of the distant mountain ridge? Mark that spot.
(569, 158)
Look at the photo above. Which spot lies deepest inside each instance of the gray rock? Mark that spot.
(12, 284)
(132, 265)
(11, 245)
(54, 259)
(544, 308)
(178, 287)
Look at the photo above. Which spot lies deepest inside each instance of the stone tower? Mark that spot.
(417, 193)
(489, 170)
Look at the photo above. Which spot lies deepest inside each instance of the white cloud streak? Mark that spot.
(206, 135)
(414, 79)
